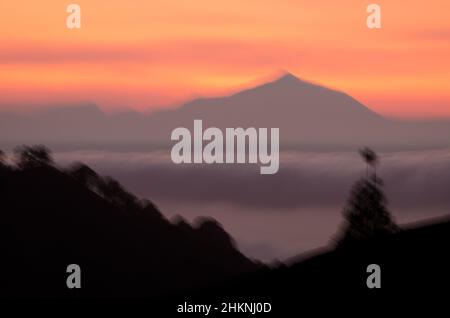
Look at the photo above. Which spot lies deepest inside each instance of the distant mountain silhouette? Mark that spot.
(307, 114)
(50, 218)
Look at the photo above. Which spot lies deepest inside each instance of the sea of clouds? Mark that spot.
(281, 215)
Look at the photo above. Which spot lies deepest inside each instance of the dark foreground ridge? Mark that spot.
(414, 260)
(50, 218)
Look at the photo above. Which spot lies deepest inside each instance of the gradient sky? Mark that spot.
(143, 54)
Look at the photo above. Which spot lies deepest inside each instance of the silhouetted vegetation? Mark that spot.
(413, 261)
(3, 165)
(2, 158)
(52, 217)
(366, 213)
(85, 175)
(370, 158)
(33, 156)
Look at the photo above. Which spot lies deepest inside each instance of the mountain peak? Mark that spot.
(287, 76)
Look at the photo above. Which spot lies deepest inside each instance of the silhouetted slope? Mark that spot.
(413, 261)
(49, 220)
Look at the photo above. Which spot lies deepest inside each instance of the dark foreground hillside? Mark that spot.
(414, 261)
(51, 218)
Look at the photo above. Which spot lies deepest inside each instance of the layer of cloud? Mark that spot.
(412, 179)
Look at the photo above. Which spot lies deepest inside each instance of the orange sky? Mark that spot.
(143, 54)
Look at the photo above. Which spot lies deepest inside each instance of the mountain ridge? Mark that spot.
(307, 114)
(51, 218)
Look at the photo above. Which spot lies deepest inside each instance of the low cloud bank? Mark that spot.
(412, 179)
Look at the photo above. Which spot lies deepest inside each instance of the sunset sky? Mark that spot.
(142, 54)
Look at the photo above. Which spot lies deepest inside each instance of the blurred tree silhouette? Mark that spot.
(3, 164)
(86, 176)
(2, 158)
(366, 214)
(33, 156)
(371, 159)
(106, 187)
(113, 191)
